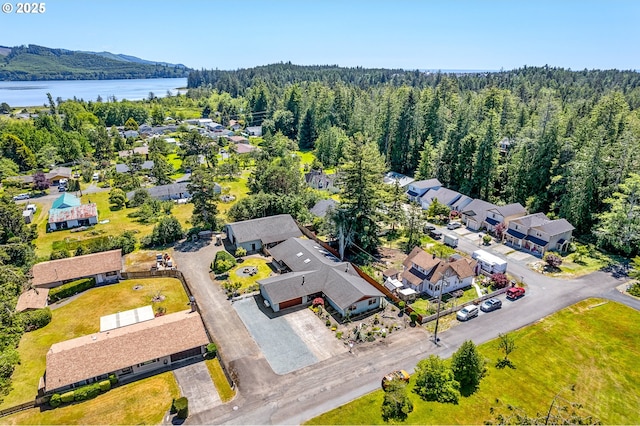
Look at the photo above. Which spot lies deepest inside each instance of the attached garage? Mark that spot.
(290, 303)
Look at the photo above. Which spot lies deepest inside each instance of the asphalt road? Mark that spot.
(266, 398)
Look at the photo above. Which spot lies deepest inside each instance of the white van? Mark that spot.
(467, 313)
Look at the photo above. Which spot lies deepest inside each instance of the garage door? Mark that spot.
(292, 302)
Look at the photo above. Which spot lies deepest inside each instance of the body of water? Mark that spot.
(34, 93)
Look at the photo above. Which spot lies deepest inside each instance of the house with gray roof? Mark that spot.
(475, 213)
(322, 207)
(265, 232)
(450, 198)
(391, 178)
(172, 191)
(418, 188)
(124, 168)
(503, 214)
(537, 233)
(311, 271)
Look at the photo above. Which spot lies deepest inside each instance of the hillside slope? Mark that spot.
(42, 63)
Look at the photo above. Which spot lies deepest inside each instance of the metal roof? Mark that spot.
(269, 229)
(83, 211)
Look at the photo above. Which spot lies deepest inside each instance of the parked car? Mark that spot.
(396, 375)
(96, 176)
(490, 305)
(435, 234)
(454, 225)
(467, 313)
(515, 293)
(24, 196)
(429, 228)
(31, 207)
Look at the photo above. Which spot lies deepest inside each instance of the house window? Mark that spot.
(299, 254)
(372, 302)
(352, 307)
(127, 370)
(148, 362)
(516, 227)
(112, 273)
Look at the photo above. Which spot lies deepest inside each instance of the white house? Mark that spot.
(416, 189)
(425, 273)
(450, 198)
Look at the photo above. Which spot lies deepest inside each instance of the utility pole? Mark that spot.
(445, 279)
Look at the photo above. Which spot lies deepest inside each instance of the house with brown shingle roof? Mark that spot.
(35, 298)
(126, 351)
(104, 267)
(425, 273)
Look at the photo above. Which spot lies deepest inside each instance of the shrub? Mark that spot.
(113, 379)
(33, 320)
(414, 317)
(553, 260)
(104, 385)
(69, 289)
(173, 410)
(499, 280)
(182, 407)
(67, 396)
(212, 350)
(401, 305)
(54, 401)
(339, 334)
(223, 262)
(486, 239)
(241, 251)
(634, 290)
(59, 254)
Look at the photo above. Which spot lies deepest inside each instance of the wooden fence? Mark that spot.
(16, 408)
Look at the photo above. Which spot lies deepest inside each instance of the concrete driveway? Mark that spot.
(290, 340)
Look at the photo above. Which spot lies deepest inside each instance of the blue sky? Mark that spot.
(444, 34)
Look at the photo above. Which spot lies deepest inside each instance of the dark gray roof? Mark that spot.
(270, 229)
(511, 209)
(171, 190)
(322, 207)
(123, 168)
(556, 227)
(315, 270)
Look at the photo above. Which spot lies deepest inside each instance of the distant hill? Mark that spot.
(42, 63)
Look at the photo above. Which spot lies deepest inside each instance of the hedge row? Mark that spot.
(33, 320)
(83, 393)
(71, 288)
(223, 262)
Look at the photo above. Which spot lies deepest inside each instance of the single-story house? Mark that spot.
(104, 267)
(53, 176)
(537, 233)
(254, 130)
(244, 148)
(475, 213)
(203, 122)
(417, 189)
(234, 125)
(126, 351)
(503, 214)
(172, 191)
(450, 198)
(317, 179)
(238, 139)
(67, 212)
(141, 150)
(425, 273)
(390, 178)
(124, 168)
(322, 207)
(315, 272)
(130, 134)
(35, 298)
(266, 232)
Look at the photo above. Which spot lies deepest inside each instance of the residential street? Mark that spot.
(266, 398)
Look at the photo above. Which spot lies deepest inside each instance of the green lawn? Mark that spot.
(306, 157)
(594, 261)
(142, 402)
(236, 187)
(118, 223)
(176, 162)
(592, 345)
(263, 272)
(422, 303)
(82, 317)
(220, 380)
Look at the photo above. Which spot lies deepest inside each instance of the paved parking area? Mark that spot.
(522, 256)
(501, 248)
(288, 341)
(195, 383)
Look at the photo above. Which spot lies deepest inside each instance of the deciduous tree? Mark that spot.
(435, 381)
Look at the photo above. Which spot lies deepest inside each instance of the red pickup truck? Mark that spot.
(515, 293)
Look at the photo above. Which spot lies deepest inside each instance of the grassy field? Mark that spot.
(118, 223)
(592, 345)
(263, 272)
(142, 402)
(237, 187)
(306, 157)
(220, 380)
(422, 303)
(82, 317)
